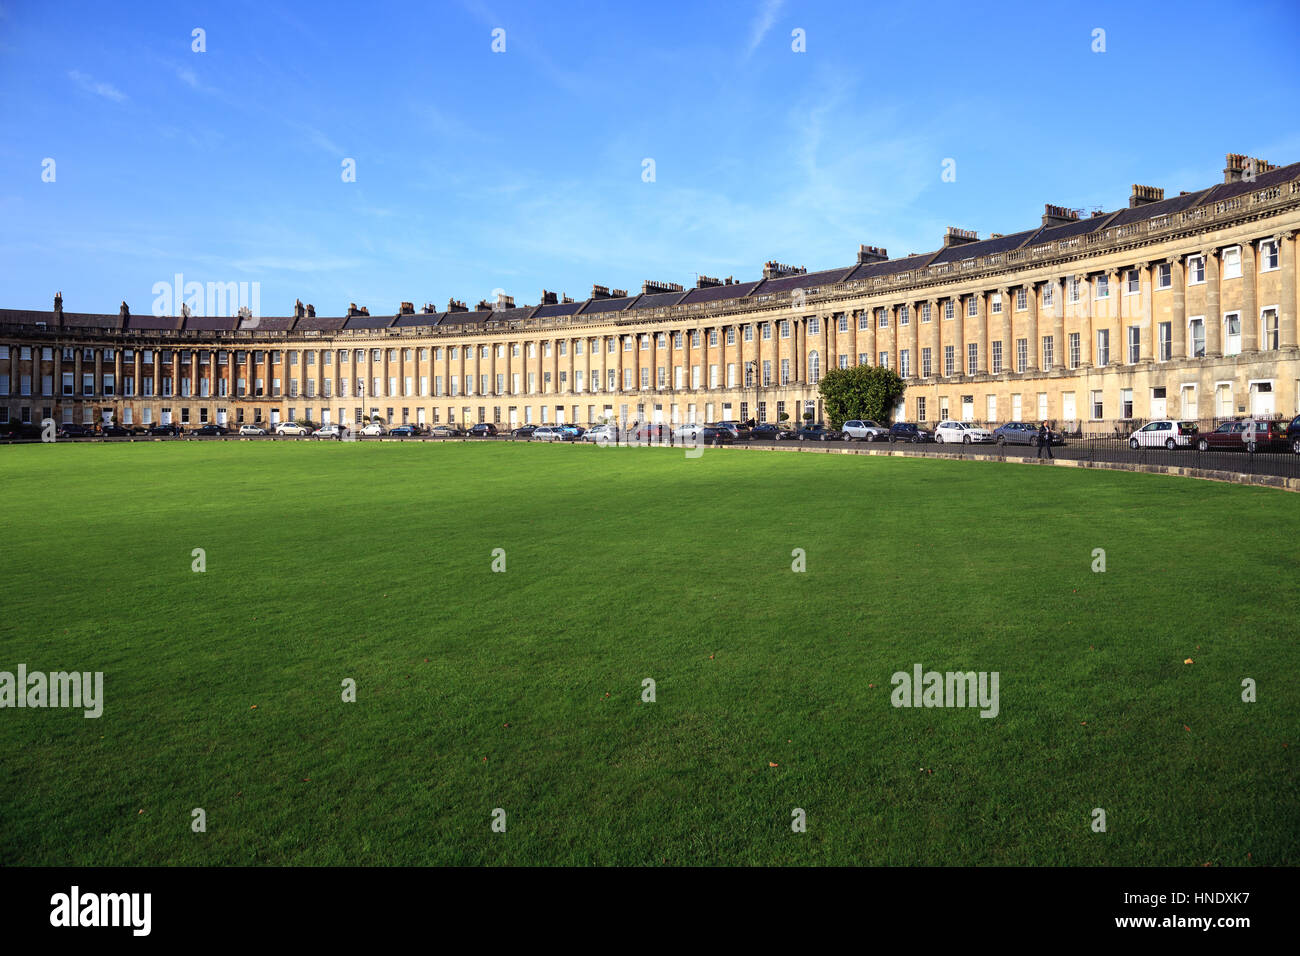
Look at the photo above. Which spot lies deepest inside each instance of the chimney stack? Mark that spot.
(1142, 195)
(503, 302)
(427, 309)
(959, 237)
(654, 288)
(406, 308)
(600, 292)
(1240, 168)
(550, 298)
(777, 270)
(872, 254)
(58, 308)
(454, 305)
(1058, 215)
(706, 282)
(353, 310)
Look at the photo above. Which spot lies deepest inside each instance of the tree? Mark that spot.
(863, 391)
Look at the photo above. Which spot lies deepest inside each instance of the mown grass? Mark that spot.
(522, 690)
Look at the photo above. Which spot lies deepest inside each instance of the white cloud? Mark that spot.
(91, 85)
(763, 22)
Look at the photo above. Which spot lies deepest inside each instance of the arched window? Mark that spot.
(814, 367)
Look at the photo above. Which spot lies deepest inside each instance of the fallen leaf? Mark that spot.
(1188, 661)
(1186, 728)
(139, 813)
(769, 763)
(254, 707)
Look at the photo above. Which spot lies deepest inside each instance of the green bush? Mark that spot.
(863, 391)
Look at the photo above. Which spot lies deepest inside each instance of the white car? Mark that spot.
(961, 433)
(329, 431)
(550, 433)
(373, 429)
(292, 428)
(602, 434)
(1167, 433)
(864, 430)
(252, 430)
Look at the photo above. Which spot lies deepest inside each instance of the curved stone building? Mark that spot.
(1182, 306)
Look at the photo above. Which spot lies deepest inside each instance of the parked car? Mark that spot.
(605, 434)
(444, 431)
(864, 430)
(1022, 433)
(716, 435)
(550, 433)
(962, 433)
(211, 430)
(18, 431)
(765, 431)
(906, 431)
(172, 430)
(113, 431)
(739, 430)
(1293, 434)
(1167, 432)
(483, 430)
(819, 432)
(1246, 435)
(405, 431)
(523, 431)
(688, 432)
(252, 430)
(651, 432)
(333, 431)
(71, 430)
(292, 428)
(374, 430)
(574, 432)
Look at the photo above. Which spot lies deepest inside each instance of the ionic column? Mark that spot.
(1213, 317)
(1287, 316)
(1249, 297)
(1008, 346)
(1034, 346)
(1178, 318)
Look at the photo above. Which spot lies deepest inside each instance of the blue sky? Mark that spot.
(522, 170)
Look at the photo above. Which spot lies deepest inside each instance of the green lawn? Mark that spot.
(522, 690)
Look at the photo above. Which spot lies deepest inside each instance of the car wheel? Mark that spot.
(965, 439)
(892, 439)
(1132, 443)
(1002, 441)
(938, 438)
(1204, 445)
(1250, 447)
(1170, 444)
(1295, 446)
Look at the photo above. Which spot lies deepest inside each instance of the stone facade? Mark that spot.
(1184, 307)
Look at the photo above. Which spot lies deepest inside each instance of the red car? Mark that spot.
(1246, 435)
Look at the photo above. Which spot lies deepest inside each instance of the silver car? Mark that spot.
(864, 430)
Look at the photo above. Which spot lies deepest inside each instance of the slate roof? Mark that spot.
(870, 270)
(716, 293)
(204, 323)
(593, 306)
(320, 323)
(418, 320)
(368, 322)
(658, 300)
(984, 247)
(563, 308)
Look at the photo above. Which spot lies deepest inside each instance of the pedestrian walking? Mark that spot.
(1044, 440)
